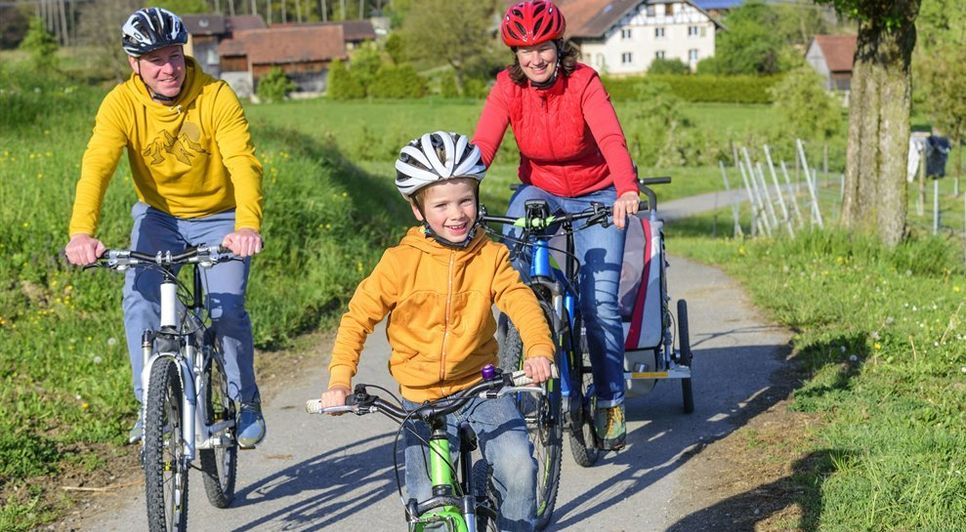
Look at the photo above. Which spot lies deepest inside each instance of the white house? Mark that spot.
(621, 37)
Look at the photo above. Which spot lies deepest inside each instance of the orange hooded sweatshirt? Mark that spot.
(191, 158)
(441, 327)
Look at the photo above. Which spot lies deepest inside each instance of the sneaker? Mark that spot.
(137, 431)
(251, 425)
(610, 426)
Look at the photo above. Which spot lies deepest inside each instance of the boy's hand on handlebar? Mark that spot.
(83, 249)
(334, 396)
(537, 368)
(627, 204)
(243, 242)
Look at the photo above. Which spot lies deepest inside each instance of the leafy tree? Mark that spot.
(749, 44)
(41, 45)
(805, 107)
(668, 66)
(274, 86)
(454, 32)
(182, 7)
(879, 105)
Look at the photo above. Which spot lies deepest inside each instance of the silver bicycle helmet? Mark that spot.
(152, 28)
(435, 157)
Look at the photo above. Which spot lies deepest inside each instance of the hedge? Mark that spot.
(728, 89)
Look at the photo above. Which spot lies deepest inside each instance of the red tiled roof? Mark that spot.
(352, 30)
(592, 18)
(839, 51)
(286, 44)
(244, 22)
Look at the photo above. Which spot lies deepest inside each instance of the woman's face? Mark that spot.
(538, 62)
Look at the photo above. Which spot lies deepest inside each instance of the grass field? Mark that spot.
(894, 413)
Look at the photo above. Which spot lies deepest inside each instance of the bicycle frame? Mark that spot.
(183, 348)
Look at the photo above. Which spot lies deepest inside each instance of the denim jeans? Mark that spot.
(600, 251)
(224, 286)
(502, 436)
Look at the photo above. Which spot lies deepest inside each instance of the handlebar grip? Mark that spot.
(519, 378)
(313, 406)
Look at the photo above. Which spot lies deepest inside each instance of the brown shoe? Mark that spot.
(610, 426)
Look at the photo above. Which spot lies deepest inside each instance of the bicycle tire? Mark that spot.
(542, 414)
(219, 465)
(684, 347)
(165, 467)
(487, 510)
(583, 439)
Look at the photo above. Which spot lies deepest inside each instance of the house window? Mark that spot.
(600, 60)
(627, 58)
(704, 31)
(625, 33)
(659, 54)
(692, 31)
(668, 10)
(659, 32)
(693, 55)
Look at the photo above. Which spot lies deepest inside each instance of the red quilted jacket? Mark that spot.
(570, 140)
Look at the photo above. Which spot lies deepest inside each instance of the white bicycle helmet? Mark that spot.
(152, 28)
(435, 157)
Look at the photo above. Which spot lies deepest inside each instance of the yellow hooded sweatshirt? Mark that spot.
(191, 158)
(441, 327)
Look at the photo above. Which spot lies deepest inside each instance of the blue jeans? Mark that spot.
(502, 436)
(600, 251)
(224, 287)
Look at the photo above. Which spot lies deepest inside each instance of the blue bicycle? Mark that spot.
(548, 240)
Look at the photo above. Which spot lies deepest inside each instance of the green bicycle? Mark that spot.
(462, 500)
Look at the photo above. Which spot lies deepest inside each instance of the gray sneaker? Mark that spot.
(251, 425)
(137, 431)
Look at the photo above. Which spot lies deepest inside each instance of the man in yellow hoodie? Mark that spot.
(438, 287)
(198, 183)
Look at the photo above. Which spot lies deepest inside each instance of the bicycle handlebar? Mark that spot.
(204, 256)
(361, 402)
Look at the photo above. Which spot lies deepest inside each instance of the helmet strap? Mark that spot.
(428, 231)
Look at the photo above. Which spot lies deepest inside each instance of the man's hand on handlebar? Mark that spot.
(83, 249)
(627, 204)
(243, 242)
(537, 368)
(335, 396)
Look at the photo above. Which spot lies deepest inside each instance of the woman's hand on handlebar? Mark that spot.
(537, 368)
(83, 249)
(243, 242)
(334, 396)
(627, 204)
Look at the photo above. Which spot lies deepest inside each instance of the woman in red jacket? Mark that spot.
(572, 153)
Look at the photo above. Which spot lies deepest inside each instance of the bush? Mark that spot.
(727, 89)
(40, 45)
(341, 83)
(668, 66)
(274, 86)
(807, 110)
(397, 83)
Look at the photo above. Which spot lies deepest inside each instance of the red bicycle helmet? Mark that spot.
(531, 23)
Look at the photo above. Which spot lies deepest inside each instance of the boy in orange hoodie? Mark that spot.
(438, 287)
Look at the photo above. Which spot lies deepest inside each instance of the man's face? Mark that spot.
(162, 70)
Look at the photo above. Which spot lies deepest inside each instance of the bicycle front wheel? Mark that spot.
(542, 414)
(165, 467)
(219, 464)
(583, 440)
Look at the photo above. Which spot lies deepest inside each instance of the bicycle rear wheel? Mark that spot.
(165, 467)
(542, 413)
(220, 463)
(583, 440)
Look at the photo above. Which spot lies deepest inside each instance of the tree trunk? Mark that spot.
(875, 199)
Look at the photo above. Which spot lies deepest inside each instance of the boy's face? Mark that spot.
(449, 208)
